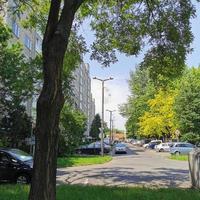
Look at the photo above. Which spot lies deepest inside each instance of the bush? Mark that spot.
(191, 138)
(72, 126)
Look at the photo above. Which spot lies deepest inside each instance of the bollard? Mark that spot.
(194, 167)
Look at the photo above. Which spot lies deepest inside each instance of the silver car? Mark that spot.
(181, 148)
(120, 148)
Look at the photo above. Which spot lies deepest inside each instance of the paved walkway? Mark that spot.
(138, 168)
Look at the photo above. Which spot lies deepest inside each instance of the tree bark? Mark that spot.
(51, 99)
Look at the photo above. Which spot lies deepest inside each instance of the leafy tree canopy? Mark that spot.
(130, 25)
(18, 77)
(15, 126)
(73, 126)
(95, 127)
(142, 89)
(159, 120)
(187, 102)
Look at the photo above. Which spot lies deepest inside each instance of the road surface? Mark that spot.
(138, 168)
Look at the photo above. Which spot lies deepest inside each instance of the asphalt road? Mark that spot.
(137, 168)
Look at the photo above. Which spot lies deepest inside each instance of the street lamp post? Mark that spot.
(102, 120)
(111, 112)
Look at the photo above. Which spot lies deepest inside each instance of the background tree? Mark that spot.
(72, 126)
(187, 104)
(95, 127)
(159, 120)
(17, 85)
(17, 78)
(15, 126)
(142, 89)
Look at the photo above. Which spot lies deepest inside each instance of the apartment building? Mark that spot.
(32, 45)
(29, 38)
(82, 94)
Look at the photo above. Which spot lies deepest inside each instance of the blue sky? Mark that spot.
(116, 91)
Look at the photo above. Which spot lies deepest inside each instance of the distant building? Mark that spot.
(82, 94)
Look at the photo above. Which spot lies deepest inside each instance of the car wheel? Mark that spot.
(161, 150)
(23, 179)
(177, 153)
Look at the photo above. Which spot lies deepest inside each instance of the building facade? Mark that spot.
(82, 95)
(32, 45)
(29, 38)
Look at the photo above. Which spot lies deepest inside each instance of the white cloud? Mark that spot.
(116, 93)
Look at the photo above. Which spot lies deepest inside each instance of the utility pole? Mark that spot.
(102, 117)
(111, 112)
(113, 133)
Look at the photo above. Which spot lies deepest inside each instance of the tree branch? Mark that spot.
(52, 19)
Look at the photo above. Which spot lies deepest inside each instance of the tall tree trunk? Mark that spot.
(51, 99)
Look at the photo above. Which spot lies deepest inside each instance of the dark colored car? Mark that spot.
(93, 149)
(153, 144)
(15, 166)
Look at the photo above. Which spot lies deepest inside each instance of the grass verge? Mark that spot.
(179, 157)
(75, 192)
(82, 160)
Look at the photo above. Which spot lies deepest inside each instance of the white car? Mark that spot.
(120, 148)
(146, 145)
(163, 147)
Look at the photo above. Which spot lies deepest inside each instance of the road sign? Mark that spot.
(177, 133)
(100, 135)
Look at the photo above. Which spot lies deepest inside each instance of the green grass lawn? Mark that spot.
(82, 160)
(179, 157)
(17, 192)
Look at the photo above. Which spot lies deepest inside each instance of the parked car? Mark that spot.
(181, 148)
(145, 142)
(93, 148)
(15, 166)
(120, 148)
(146, 145)
(153, 143)
(163, 147)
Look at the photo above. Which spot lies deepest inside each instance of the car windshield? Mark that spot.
(20, 155)
(120, 145)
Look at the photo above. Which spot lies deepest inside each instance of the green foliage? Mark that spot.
(159, 120)
(191, 138)
(128, 26)
(15, 126)
(142, 89)
(72, 128)
(95, 127)
(18, 77)
(187, 102)
(17, 84)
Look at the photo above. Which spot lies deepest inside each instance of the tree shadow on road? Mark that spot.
(159, 177)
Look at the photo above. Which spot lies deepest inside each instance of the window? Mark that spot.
(189, 145)
(27, 42)
(38, 45)
(3, 158)
(15, 28)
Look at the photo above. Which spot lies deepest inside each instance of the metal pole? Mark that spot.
(110, 127)
(102, 122)
(111, 111)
